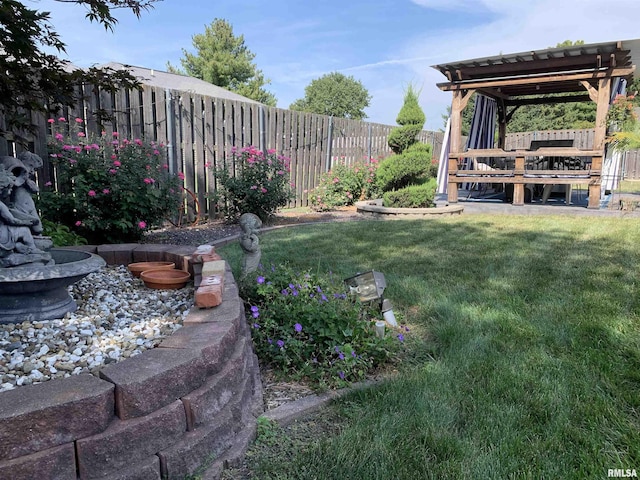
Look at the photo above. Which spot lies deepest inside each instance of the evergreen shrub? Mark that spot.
(412, 196)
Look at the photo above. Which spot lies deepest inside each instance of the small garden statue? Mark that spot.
(249, 242)
(17, 245)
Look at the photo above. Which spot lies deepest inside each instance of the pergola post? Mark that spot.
(460, 100)
(603, 96)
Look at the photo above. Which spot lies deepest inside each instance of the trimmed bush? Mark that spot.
(401, 138)
(411, 119)
(411, 113)
(413, 196)
(398, 171)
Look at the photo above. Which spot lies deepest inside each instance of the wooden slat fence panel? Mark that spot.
(207, 128)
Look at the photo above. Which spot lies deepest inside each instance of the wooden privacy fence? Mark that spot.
(200, 131)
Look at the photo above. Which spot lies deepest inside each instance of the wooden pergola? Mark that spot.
(582, 73)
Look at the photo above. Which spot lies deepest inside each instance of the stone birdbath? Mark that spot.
(33, 276)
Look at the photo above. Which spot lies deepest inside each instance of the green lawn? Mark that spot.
(523, 357)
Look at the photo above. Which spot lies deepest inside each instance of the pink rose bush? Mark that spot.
(108, 189)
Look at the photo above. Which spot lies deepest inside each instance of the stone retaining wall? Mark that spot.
(187, 406)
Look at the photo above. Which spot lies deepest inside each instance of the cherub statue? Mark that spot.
(17, 245)
(249, 242)
(21, 200)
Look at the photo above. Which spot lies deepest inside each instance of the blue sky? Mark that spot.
(384, 44)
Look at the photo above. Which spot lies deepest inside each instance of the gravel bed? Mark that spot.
(117, 318)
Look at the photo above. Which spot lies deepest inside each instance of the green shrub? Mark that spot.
(108, 189)
(413, 196)
(307, 328)
(61, 235)
(260, 186)
(401, 138)
(398, 171)
(411, 113)
(411, 119)
(344, 185)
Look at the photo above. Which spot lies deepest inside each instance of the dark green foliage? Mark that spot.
(411, 119)
(31, 79)
(411, 113)
(401, 138)
(398, 171)
(334, 94)
(223, 59)
(61, 235)
(413, 196)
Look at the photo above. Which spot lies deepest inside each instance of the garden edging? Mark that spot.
(188, 405)
(375, 209)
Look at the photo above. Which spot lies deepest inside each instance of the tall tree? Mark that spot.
(33, 80)
(334, 94)
(223, 59)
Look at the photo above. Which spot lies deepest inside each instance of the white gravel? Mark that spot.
(117, 318)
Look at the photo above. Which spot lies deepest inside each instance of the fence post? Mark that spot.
(369, 144)
(329, 143)
(171, 135)
(263, 131)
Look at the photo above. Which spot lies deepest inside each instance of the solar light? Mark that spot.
(367, 286)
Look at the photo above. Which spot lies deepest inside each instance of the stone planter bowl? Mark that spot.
(137, 268)
(164, 279)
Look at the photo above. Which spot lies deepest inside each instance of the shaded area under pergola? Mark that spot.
(581, 73)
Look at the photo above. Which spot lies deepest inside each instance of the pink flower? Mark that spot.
(254, 187)
(78, 223)
(81, 134)
(138, 141)
(113, 170)
(142, 224)
(181, 175)
(72, 161)
(115, 134)
(105, 191)
(59, 136)
(51, 120)
(263, 190)
(91, 193)
(207, 164)
(79, 120)
(62, 119)
(78, 148)
(165, 166)
(156, 152)
(116, 163)
(149, 181)
(48, 184)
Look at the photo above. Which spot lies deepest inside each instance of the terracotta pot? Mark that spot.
(137, 268)
(165, 279)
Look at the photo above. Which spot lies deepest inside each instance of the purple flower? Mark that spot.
(401, 337)
(280, 343)
(292, 286)
(337, 349)
(324, 298)
(297, 327)
(341, 375)
(254, 311)
(256, 325)
(269, 341)
(406, 329)
(353, 354)
(318, 289)
(294, 293)
(341, 356)
(260, 279)
(285, 292)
